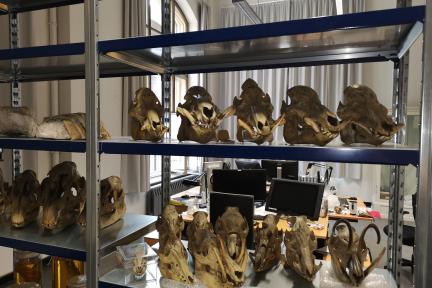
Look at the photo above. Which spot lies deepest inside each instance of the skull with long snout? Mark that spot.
(369, 120)
(307, 121)
(62, 196)
(22, 205)
(254, 114)
(268, 240)
(300, 243)
(200, 116)
(173, 256)
(112, 203)
(147, 113)
(349, 252)
(233, 229)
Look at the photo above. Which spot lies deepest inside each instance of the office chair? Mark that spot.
(408, 234)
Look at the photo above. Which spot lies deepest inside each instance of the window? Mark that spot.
(180, 83)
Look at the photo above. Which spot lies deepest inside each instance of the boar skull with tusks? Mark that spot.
(200, 117)
(147, 113)
(268, 240)
(300, 243)
(173, 257)
(112, 203)
(307, 121)
(62, 196)
(254, 114)
(22, 206)
(369, 120)
(233, 229)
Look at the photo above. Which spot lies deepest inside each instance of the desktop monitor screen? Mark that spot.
(294, 198)
(247, 164)
(245, 203)
(246, 182)
(289, 169)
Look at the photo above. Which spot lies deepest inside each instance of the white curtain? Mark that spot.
(328, 81)
(135, 169)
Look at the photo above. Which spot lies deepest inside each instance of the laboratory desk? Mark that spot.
(349, 217)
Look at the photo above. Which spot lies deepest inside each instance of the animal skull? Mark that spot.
(62, 196)
(147, 113)
(205, 248)
(348, 252)
(139, 265)
(17, 121)
(268, 242)
(300, 242)
(233, 229)
(22, 200)
(369, 120)
(112, 205)
(307, 121)
(67, 126)
(200, 116)
(254, 114)
(172, 254)
(4, 188)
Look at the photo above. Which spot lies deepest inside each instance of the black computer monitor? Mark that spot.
(295, 198)
(289, 169)
(246, 182)
(247, 164)
(220, 201)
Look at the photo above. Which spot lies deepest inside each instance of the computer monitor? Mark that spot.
(295, 198)
(246, 182)
(247, 164)
(208, 168)
(289, 169)
(220, 201)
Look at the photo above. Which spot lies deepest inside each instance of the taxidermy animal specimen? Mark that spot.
(205, 248)
(349, 251)
(254, 114)
(173, 258)
(112, 205)
(369, 120)
(62, 195)
(67, 126)
(147, 113)
(200, 116)
(300, 242)
(268, 242)
(17, 121)
(22, 206)
(307, 121)
(233, 229)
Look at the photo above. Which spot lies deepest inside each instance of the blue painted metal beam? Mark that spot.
(31, 5)
(42, 144)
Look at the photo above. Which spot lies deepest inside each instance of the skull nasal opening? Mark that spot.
(208, 112)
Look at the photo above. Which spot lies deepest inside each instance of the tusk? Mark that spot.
(312, 124)
(343, 221)
(228, 112)
(280, 121)
(363, 127)
(373, 226)
(245, 126)
(186, 114)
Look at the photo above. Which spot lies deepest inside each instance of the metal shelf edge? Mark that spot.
(43, 144)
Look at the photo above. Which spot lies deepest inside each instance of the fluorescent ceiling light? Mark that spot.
(248, 11)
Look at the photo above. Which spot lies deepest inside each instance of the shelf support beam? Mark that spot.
(423, 237)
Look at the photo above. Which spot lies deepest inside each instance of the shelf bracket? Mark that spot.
(409, 40)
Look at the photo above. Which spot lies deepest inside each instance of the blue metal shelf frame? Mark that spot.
(43, 144)
(31, 5)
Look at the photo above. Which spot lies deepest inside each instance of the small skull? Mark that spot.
(268, 242)
(147, 112)
(22, 200)
(254, 114)
(369, 120)
(233, 229)
(62, 196)
(307, 121)
(172, 254)
(348, 252)
(300, 242)
(200, 116)
(112, 205)
(139, 265)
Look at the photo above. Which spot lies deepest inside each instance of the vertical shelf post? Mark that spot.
(423, 237)
(91, 15)
(166, 102)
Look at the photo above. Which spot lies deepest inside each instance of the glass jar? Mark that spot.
(27, 267)
(64, 269)
(79, 281)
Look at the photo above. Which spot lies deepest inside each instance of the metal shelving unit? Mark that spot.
(375, 36)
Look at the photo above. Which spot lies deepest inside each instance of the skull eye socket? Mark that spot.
(74, 192)
(208, 112)
(260, 125)
(155, 124)
(333, 121)
(112, 200)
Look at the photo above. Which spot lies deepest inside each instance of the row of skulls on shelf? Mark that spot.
(62, 198)
(221, 258)
(363, 119)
